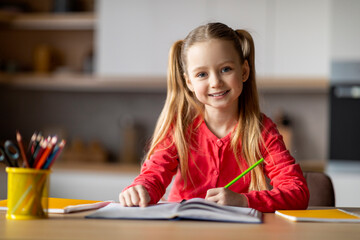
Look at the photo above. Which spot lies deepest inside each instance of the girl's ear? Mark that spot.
(188, 82)
(245, 71)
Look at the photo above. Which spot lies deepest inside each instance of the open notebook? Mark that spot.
(321, 215)
(64, 205)
(193, 209)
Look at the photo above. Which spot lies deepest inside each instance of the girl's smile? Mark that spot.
(219, 94)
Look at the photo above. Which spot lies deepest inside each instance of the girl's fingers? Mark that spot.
(134, 195)
(122, 199)
(127, 196)
(212, 192)
(212, 199)
(225, 196)
(212, 195)
(144, 196)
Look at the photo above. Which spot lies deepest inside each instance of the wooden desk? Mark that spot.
(75, 226)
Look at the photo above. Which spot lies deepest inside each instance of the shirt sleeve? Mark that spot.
(157, 171)
(289, 190)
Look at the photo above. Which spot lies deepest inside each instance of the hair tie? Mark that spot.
(244, 43)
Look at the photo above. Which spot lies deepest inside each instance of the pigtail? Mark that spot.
(178, 111)
(250, 118)
(248, 49)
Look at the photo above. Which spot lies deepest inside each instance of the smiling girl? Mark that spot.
(211, 129)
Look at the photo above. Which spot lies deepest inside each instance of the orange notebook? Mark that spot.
(64, 205)
(322, 215)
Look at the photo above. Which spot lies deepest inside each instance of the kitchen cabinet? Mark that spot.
(44, 42)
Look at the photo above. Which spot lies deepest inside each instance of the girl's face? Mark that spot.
(214, 73)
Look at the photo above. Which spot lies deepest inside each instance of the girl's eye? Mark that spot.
(201, 75)
(225, 69)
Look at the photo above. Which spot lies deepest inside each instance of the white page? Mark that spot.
(115, 210)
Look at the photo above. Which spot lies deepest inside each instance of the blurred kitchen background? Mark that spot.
(94, 73)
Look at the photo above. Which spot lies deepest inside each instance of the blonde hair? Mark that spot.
(182, 108)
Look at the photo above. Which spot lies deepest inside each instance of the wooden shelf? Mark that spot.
(49, 21)
(97, 167)
(293, 84)
(80, 82)
(117, 168)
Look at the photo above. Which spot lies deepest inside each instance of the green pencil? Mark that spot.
(245, 172)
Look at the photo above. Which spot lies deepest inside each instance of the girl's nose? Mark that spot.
(215, 81)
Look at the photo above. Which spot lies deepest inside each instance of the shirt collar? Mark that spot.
(210, 135)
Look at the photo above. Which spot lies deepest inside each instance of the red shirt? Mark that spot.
(212, 164)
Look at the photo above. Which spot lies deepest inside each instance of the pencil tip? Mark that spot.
(54, 140)
(18, 135)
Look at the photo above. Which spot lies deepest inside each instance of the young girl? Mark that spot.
(211, 129)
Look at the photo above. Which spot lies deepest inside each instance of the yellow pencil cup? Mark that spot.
(28, 193)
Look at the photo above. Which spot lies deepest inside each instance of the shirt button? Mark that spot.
(219, 143)
(216, 172)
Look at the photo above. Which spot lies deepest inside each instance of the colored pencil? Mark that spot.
(243, 173)
(21, 147)
(39, 151)
(55, 154)
(30, 147)
(39, 139)
(46, 153)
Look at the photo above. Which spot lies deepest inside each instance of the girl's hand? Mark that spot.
(224, 196)
(135, 196)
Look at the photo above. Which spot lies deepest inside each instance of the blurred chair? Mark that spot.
(321, 189)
